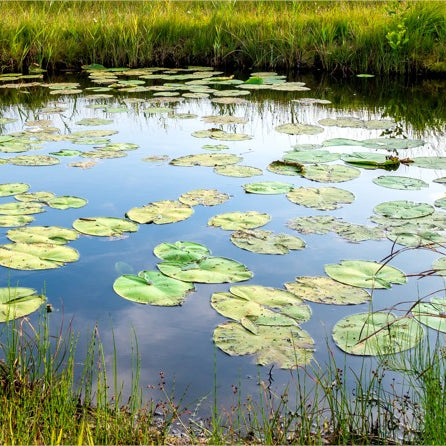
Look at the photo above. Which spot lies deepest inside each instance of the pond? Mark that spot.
(128, 144)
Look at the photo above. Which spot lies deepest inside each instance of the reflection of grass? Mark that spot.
(358, 36)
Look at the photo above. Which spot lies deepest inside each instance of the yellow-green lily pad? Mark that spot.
(239, 220)
(161, 212)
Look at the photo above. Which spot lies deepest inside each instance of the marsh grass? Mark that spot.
(363, 36)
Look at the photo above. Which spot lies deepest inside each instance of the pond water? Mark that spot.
(178, 340)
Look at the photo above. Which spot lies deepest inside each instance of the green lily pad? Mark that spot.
(104, 226)
(324, 290)
(215, 147)
(34, 160)
(36, 256)
(230, 93)
(13, 221)
(439, 266)
(205, 197)
(86, 141)
(336, 142)
(66, 202)
(22, 208)
(365, 274)
(299, 129)
(207, 270)
(94, 121)
(335, 173)
(440, 203)
(316, 224)
(358, 233)
(103, 154)
(393, 143)
(239, 220)
(221, 135)
(343, 121)
(261, 306)
(66, 152)
(224, 119)
(41, 196)
(432, 222)
(118, 147)
(441, 180)
(403, 209)
(53, 235)
(399, 182)
(371, 160)
(289, 347)
(323, 198)
(93, 134)
(153, 288)
(268, 187)
(266, 242)
(285, 167)
(233, 170)
(14, 147)
(378, 333)
(161, 212)
(415, 238)
(181, 252)
(311, 156)
(7, 189)
(206, 159)
(431, 314)
(17, 302)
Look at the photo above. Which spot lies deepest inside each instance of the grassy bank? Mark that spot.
(378, 37)
(49, 397)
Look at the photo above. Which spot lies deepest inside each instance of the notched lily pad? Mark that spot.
(239, 220)
(34, 160)
(431, 314)
(311, 156)
(181, 252)
(238, 171)
(335, 173)
(323, 198)
(7, 189)
(104, 226)
(205, 197)
(206, 159)
(268, 187)
(94, 121)
(54, 235)
(17, 302)
(13, 221)
(403, 209)
(161, 212)
(286, 167)
(21, 208)
(299, 129)
(66, 202)
(399, 182)
(153, 288)
(378, 333)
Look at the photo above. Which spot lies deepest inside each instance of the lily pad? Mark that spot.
(316, 224)
(238, 171)
(285, 167)
(393, 143)
(268, 187)
(403, 209)
(399, 182)
(431, 313)
(205, 197)
(153, 288)
(299, 129)
(206, 159)
(439, 266)
(181, 252)
(41, 196)
(266, 242)
(215, 147)
(66, 152)
(343, 121)
(323, 198)
(371, 160)
(118, 146)
(103, 154)
(94, 121)
(224, 119)
(36, 256)
(358, 233)
(104, 226)
(415, 238)
(378, 333)
(54, 235)
(335, 173)
(365, 274)
(17, 302)
(8, 189)
(440, 203)
(161, 212)
(22, 208)
(93, 133)
(324, 290)
(207, 270)
(66, 202)
(13, 221)
(221, 135)
(34, 160)
(311, 156)
(289, 347)
(239, 220)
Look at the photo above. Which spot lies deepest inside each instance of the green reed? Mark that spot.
(380, 37)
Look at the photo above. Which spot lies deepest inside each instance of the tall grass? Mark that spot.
(349, 36)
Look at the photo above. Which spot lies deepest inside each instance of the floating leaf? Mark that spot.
(371, 160)
(22, 208)
(323, 198)
(54, 235)
(94, 121)
(285, 167)
(118, 147)
(215, 147)
(266, 242)
(103, 154)
(433, 222)
(36, 256)
(221, 135)
(206, 159)
(392, 143)
(161, 212)
(378, 333)
(317, 224)
(181, 252)
(415, 238)
(439, 266)
(441, 180)
(152, 287)
(207, 270)
(205, 197)
(18, 302)
(335, 173)
(10, 221)
(440, 203)
(8, 189)
(93, 133)
(358, 233)
(311, 156)
(104, 226)
(66, 202)
(238, 171)
(268, 187)
(299, 129)
(66, 153)
(324, 290)
(34, 160)
(398, 182)
(289, 347)
(223, 119)
(403, 209)
(239, 220)
(343, 121)
(431, 314)
(365, 274)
